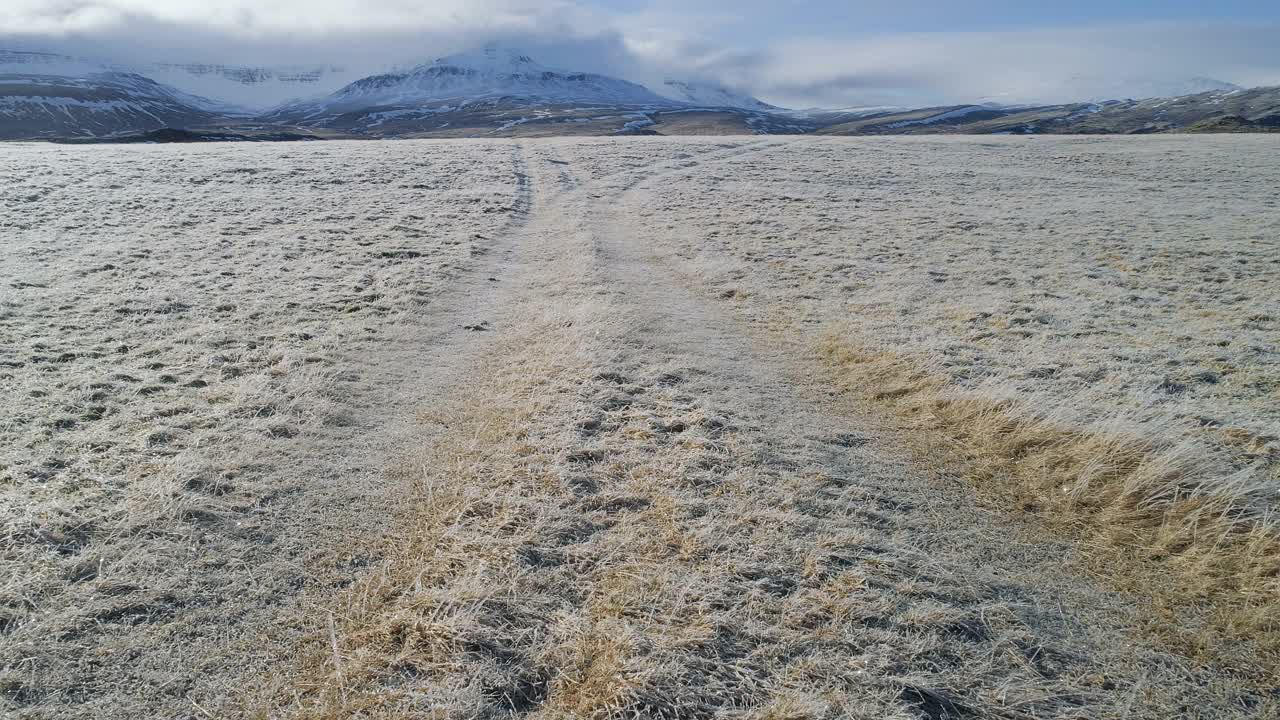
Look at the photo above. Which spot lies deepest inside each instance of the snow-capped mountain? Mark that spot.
(95, 105)
(241, 89)
(252, 87)
(496, 91)
(489, 76)
(712, 95)
(490, 90)
(16, 64)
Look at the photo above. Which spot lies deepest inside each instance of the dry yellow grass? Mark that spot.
(1093, 332)
(625, 512)
(1145, 512)
(612, 499)
(200, 350)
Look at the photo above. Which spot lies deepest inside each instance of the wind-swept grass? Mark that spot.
(1152, 509)
(1090, 324)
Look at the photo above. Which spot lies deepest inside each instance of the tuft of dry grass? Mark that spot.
(1153, 516)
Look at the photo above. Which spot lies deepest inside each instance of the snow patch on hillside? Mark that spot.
(491, 75)
(712, 95)
(941, 117)
(238, 89)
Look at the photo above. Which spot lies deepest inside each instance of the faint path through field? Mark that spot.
(964, 562)
(639, 507)
(328, 533)
(222, 597)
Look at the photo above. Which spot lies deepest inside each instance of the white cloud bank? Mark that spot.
(276, 17)
(1033, 65)
(1024, 66)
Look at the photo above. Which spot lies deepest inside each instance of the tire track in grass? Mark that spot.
(431, 351)
(510, 441)
(175, 609)
(1088, 636)
(1140, 509)
(628, 509)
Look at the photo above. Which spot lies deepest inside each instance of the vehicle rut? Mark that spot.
(631, 505)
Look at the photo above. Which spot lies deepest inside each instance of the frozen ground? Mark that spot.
(459, 429)
(1092, 323)
(201, 350)
(1134, 276)
(1097, 319)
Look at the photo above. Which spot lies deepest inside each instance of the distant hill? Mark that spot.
(173, 135)
(96, 105)
(1257, 109)
(1236, 124)
(501, 92)
(240, 88)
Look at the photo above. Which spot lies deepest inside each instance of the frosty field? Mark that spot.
(641, 427)
(194, 349)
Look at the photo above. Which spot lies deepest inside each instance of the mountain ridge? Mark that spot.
(490, 76)
(240, 89)
(501, 91)
(99, 104)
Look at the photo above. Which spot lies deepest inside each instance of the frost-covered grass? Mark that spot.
(632, 509)
(1092, 323)
(256, 454)
(196, 347)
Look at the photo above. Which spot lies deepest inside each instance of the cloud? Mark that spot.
(294, 17)
(1053, 65)
(281, 30)
(647, 40)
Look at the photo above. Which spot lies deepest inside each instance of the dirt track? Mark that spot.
(608, 494)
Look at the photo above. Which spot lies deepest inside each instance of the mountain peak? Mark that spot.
(492, 60)
(489, 75)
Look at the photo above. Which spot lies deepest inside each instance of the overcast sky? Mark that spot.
(799, 53)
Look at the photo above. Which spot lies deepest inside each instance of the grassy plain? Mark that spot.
(641, 427)
(1092, 323)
